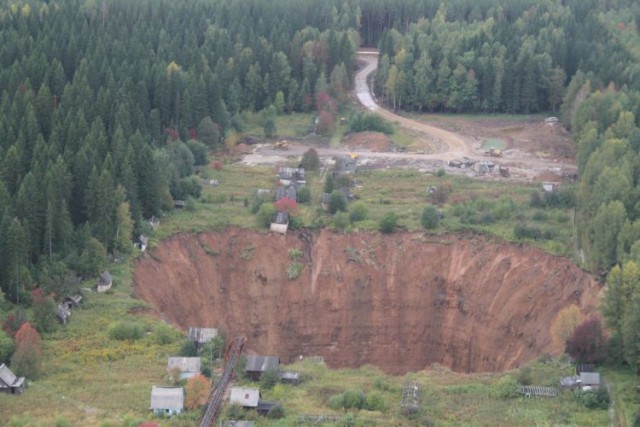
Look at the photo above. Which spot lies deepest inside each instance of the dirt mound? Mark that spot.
(372, 141)
(400, 302)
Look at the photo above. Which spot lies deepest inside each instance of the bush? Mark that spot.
(6, 347)
(341, 220)
(507, 388)
(304, 195)
(310, 160)
(126, 330)
(200, 152)
(189, 349)
(354, 399)
(361, 122)
(524, 376)
(388, 222)
(598, 399)
(276, 412)
(359, 212)
(337, 202)
(269, 379)
(295, 254)
(587, 342)
(265, 215)
(430, 217)
(294, 270)
(375, 402)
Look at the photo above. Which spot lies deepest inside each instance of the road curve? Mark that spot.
(456, 145)
(453, 145)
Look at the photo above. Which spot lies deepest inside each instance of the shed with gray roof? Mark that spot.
(188, 366)
(9, 383)
(167, 400)
(245, 397)
(256, 365)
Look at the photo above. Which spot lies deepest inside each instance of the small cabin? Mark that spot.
(9, 383)
(167, 401)
(186, 366)
(201, 336)
(105, 281)
(245, 397)
(256, 365)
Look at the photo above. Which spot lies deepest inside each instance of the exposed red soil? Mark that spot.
(400, 302)
(372, 141)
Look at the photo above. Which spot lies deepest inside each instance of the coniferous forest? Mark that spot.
(107, 107)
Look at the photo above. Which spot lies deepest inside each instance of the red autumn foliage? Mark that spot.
(197, 390)
(193, 133)
(13, 322)
(38, 296)
(287, 205)
(27, 359)
(172, 134)
(588, 342)
(326, 124)
(217, 165)
(324, 102)
(148, 424)
(621, 26)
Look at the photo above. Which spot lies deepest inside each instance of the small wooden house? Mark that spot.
(201, 336)
(234, 423)
(167, 401)
(63, 313)
(290, 377)
(256, 365)
(179, 204)
(72, 301)
(142, 242)
(9, 383)
(104, 282)
(245, 397)
(187, 366)
(590, 380)
(281, 223)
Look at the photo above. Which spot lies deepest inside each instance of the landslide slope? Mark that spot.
(400, 302)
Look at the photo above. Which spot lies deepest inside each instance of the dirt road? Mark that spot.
(448, 145)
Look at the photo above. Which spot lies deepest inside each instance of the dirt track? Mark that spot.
(524, 166)
(401, 302)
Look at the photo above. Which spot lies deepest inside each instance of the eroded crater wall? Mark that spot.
(400, 302)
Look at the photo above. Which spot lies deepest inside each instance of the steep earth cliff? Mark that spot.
(400, 302)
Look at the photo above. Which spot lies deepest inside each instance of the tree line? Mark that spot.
(107, 107)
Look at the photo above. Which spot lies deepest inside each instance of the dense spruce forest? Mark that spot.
(107, 107)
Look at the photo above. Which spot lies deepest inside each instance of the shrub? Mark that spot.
(341, 220)
(276, 412)
(265, 215)
(507, 388)
(363, 121)
(388, 222)
(354, 398)
(430, 217)
(598, 399)
(375, 402)
(294, 270)
(199, 151)
(197, 390)
(524, 376)
(310, 160)
(295, 254)
(269, 379)
(359, 212)
(304, 195)
(189, 349)
(337, 202)
(164, 335)
(126, 330)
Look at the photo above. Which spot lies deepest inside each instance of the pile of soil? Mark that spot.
(371, 141)
(400, 302)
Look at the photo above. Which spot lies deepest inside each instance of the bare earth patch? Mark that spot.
(372, 141)
(401, 302)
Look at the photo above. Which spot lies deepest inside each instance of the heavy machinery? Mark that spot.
(493, 152)
(282, 145)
